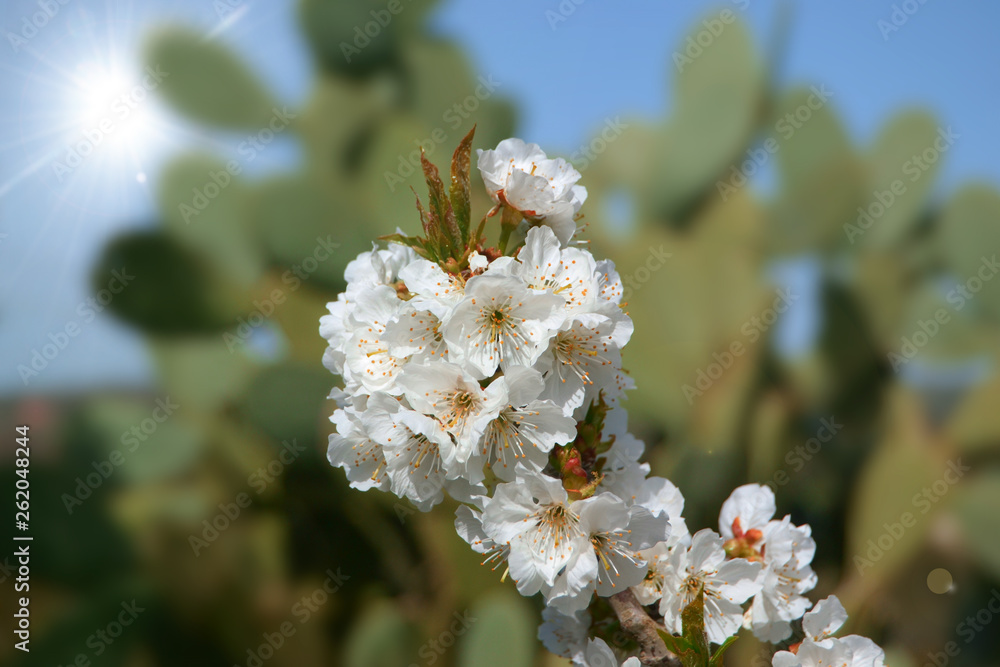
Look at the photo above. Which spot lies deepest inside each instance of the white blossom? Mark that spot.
(353, 449)
(535, 516)
(749, 507)
(565, 634)
(824, 619)
(727, 584)
(617, 534)
(599, 654)
(821, 649)
(412, 444)
(461, 407)
(522, 176)
(500, 323)
(462, 365)
(786, 576)
(524, 431)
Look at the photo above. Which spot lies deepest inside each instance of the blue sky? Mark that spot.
(604, 59)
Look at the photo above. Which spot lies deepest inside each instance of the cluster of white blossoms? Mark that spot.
(494, 376)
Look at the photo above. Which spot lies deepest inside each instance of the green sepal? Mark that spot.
(692, 647)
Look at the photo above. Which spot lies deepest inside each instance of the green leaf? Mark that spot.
(390, 170)
(443, 85)
(440, 212)
(460, 191)
(413, 242)
(206, 81)
(502, 633)
(202, 373)
(717, 658)
(217, 227)
(174, 291)
(348, 38)
(693, 623)
(905, 461)
(153, 438)
(287, 401)
(718, 96)
(692, 647)
(298, 221)
(975, 423)
(381, 637)
(822, 177)
(976, 505)
(907, 135)
(970, 235)
(679, 647)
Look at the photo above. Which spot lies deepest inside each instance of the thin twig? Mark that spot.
(636, 622)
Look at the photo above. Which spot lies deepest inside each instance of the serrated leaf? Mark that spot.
(460, 183)
(410, 241)
(440, 212)
(678, 646)
(692, 647)
(693, 623)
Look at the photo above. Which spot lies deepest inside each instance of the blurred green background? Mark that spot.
(829, 328)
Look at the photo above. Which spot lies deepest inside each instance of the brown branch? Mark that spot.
(637, 623)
